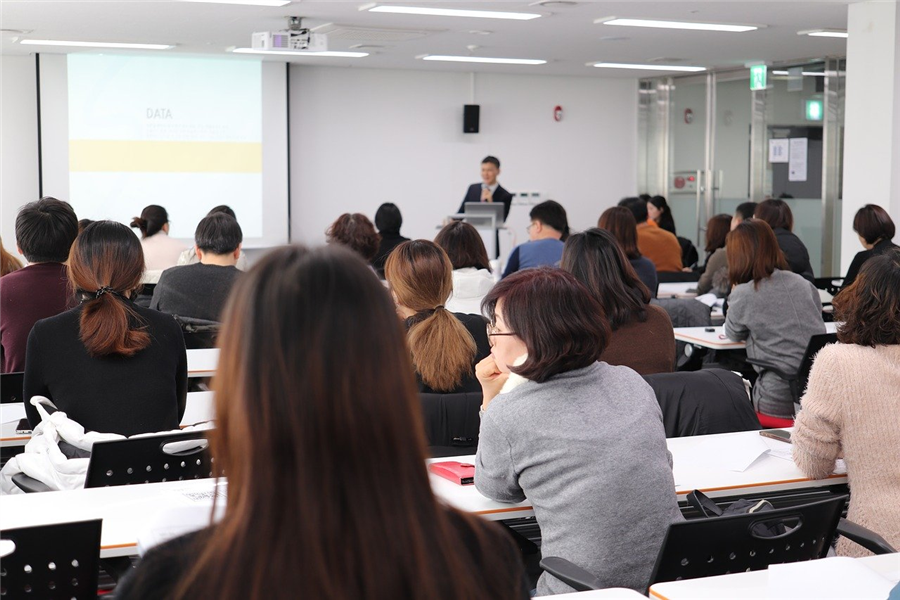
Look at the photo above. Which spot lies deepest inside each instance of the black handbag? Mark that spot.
(710, 509)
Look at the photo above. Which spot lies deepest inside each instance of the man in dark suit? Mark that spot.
(488, 190)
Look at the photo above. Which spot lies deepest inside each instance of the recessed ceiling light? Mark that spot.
(804, 73)
(244, 2)
(97, 44)
(607, 65)
(675, 25)
(483, 59)
(832, 33)
(449, 12)
(298, 53)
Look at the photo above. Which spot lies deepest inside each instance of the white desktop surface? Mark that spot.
(202, 362)
(751, 585)
(606, 594)
(677, 289)
(716, 339)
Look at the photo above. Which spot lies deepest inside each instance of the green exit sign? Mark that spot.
(758, 77)
(814, 110)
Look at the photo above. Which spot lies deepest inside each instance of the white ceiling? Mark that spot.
(566, 37)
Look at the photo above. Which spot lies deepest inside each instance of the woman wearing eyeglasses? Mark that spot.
(445, 346)
(581, 439)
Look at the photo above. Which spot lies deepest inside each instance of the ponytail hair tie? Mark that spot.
(424, 314)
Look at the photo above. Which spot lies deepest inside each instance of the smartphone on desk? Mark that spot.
(23, 427)
(777, 434)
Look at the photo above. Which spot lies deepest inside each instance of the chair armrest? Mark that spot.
(29, 485)
(866, 538)
(571, 574)
(773, 369)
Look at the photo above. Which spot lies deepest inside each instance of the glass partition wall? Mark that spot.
(708, 143)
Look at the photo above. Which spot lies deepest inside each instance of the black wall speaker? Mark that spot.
(470, 118)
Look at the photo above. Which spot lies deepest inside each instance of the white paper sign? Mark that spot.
(778, 150)
(797, 162)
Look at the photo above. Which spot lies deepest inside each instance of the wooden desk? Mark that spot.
(202, 362)
(199, 407)
(127, 509)
(716, 339)
(756, 583)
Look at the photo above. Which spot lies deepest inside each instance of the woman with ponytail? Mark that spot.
(112, 366)
(445, 346)
(160, 251)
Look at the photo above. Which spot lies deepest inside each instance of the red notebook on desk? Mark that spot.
(457, 472)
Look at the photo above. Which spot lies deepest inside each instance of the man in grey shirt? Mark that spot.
(199, 291)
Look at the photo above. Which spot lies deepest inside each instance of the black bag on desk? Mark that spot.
(710, 509)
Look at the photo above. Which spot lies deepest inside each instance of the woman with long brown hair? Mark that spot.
(620, 222)
(8, 262)
(445, 346)
(319, 431)
(109, 364)
(717, 229)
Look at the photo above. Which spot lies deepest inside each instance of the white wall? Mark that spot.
(362, 137)
(18, 144)
(872, 116)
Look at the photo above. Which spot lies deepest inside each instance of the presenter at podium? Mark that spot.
(489, 190)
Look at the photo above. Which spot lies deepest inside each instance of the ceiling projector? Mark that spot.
(291, 39)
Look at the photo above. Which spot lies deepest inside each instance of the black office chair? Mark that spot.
(826, 283)
(798, 380)
(12, 387)
(451, 423)
(52, 561)
(677, 276)
(703, 402)
(689, 255)
(723, 545)
(686, 312)
(145, 295)
(198, 333)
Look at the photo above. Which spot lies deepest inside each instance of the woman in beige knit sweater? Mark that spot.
(852, 404)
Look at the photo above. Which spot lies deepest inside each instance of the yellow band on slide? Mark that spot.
(165, 157)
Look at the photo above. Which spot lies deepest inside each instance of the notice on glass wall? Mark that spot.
(779, 150)
(797, 161)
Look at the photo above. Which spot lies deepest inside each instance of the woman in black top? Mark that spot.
(388, 221)
(110, 365)
(875, 229)
(319, 430)
(445, 346)
(780, 218)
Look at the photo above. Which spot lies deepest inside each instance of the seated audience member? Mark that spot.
(659, 213)
(774, 310)
(657, 244)
(314, 371)
(548, 230)
(642, 336)
(8, 262)
(743, 212)
(388, 221)
(189, 256)
(82, 223)
(110, 365)
(45, 231)
(472, 277)
(619, 221)
(199, 291)
(778, 215)
(875, 229)
(717, 229)
(160, 251)
(570, 433)
(850, 409)
(445, 346)
(357, 233)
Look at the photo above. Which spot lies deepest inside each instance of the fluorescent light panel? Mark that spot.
(96, 44)
(326, 54)
(606, 65)
(484, 59)
(453, 12)
(244, 2)
(677, 25)
(829, 34)
(805, 73)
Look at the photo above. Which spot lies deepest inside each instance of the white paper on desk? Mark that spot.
(12, 413)
(837, 577)
(727, 453)
(707, 299)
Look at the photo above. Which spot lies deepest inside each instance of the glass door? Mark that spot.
(688, 155)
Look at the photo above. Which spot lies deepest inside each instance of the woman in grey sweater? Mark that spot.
(774, 310)
(582, 440)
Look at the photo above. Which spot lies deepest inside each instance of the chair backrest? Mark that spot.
(12, 387)
(52, 561)
(451, 422)
(689, 255)
(150, 459)
(677, 276)
(723, 545)
(198, 333)
(703, 402)
(816, 343)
